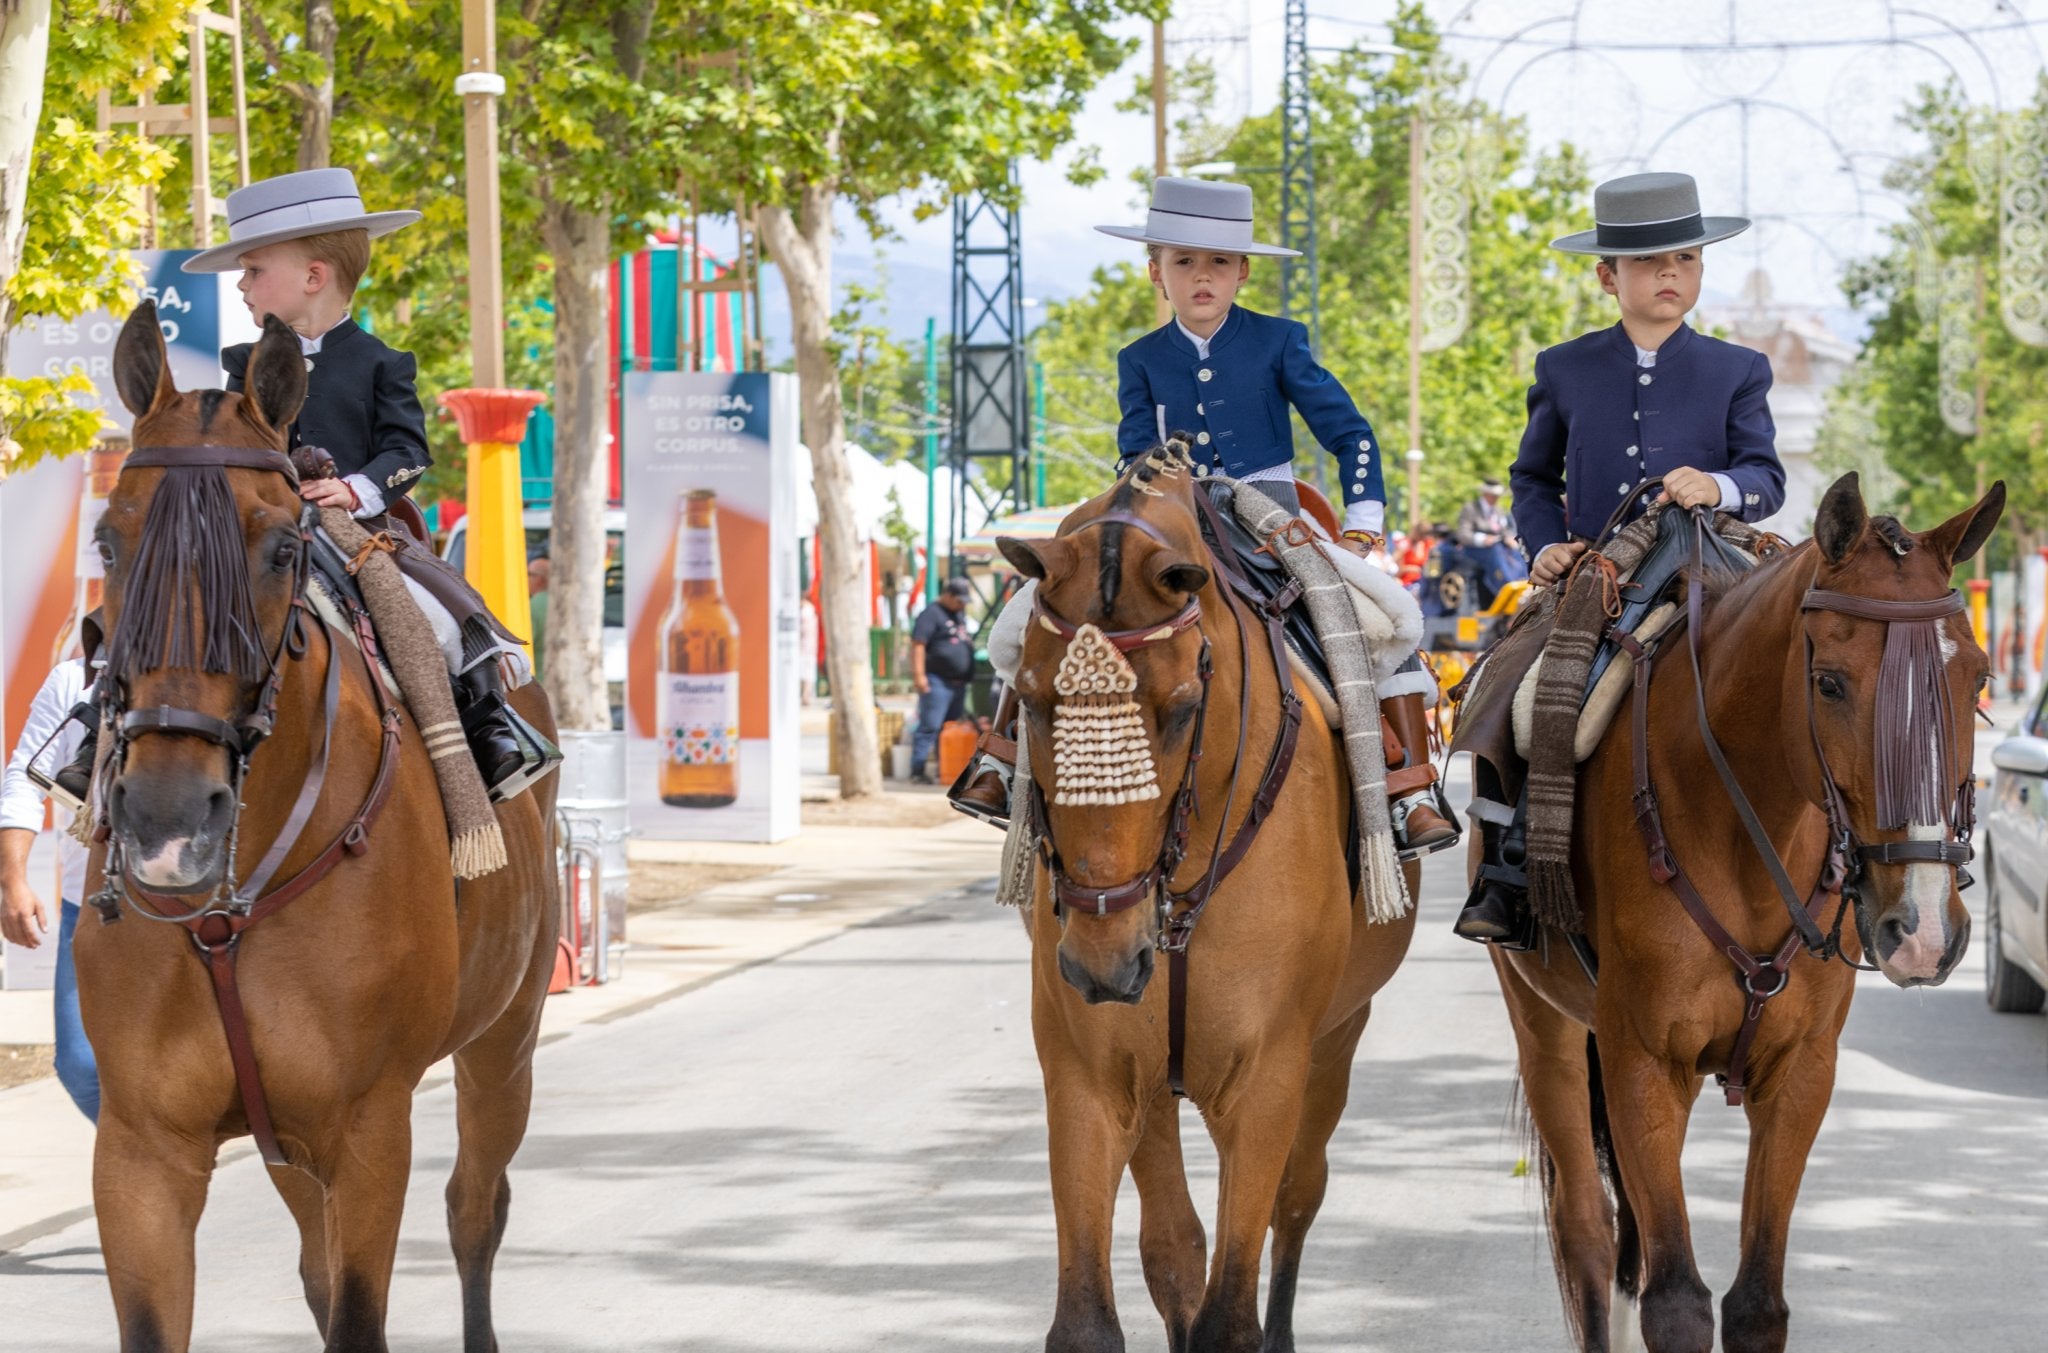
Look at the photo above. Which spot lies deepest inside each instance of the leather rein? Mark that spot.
(1762, 976)
(1179, 911)
(216, 925)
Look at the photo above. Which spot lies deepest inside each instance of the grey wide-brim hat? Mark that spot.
(1649, 214)
(1199, 214)
(291, 207)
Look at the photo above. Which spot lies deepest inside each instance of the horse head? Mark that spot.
(202, 568)
(1113, 686)
(1893, 705)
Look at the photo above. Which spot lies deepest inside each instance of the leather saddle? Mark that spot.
(1266, 574)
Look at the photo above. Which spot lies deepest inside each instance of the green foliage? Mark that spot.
(1887, 414)
(881, 383)
(84, 191)
(1525, 296)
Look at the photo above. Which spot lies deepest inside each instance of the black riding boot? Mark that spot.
(487, 723)
(73, 784)
(1497, 912)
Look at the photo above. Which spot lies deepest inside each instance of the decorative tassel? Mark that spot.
(1554, 896)
(1385, 886)
(1101, 755)
(478, 851)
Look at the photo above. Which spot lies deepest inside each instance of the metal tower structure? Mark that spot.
(990, 448)
(1299, 291)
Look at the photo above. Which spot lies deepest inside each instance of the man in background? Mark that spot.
(941, 662)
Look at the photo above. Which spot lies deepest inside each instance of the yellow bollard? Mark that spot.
(492, 423)
(1980, 623)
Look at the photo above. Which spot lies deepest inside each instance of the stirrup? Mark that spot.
(980, 765)
(1402, 806)
(542, 756)
(54, 792)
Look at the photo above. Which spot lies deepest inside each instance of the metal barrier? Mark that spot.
(586, 920)
(590, 821)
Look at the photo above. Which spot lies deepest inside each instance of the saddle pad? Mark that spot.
(1610, 691)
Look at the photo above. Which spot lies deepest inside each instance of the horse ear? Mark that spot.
(1960, 537)
(1045, 560)
(1179, 575)
(142, 366)
(1841, 519)
(276, 378)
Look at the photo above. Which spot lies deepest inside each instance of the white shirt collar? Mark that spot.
(309, 346)
(1645, 356)
(1201, 343)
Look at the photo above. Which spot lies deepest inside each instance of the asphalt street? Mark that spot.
(844, 1150)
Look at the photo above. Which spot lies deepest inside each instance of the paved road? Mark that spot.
(843, 1150)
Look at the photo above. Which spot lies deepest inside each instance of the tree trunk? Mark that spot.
(316, 102)
(803, 253)
(24, 54)
(580, 245)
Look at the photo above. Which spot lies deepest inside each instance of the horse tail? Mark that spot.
(1628, 1238)
(1544, 1167)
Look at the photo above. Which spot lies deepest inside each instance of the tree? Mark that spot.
(1888, 408)
(65, 192)
(1524, 295)
(828, 106)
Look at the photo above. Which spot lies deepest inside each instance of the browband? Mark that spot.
(1872, 608)
(227, 457)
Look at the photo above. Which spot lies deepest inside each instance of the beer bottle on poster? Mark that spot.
(89, 584)
(698, 681)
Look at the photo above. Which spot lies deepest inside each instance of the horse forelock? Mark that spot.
(188, 601)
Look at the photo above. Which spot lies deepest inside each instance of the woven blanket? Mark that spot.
(1589, 600)
(477, 845)
(1356, 640)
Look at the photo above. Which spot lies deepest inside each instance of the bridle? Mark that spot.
(216, 924)
(1180, 910)
(1763, 976)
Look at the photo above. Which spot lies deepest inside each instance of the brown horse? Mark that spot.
(1278, 982)
(369, 976)
(1804, 694)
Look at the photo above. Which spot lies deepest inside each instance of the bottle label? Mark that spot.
(697, 554)
(700, 718)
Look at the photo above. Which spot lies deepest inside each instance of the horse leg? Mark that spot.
(1649, 1101)
(1254, 1123)
(1557, 1086)
(493, 1093)
(1782, 1125)
(148, 1190)
(365, 1200)
(1308, 1171)
(1088, 1145)
(1170, 1236)
(307, 1200)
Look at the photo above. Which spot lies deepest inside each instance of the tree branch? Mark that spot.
(275, 55)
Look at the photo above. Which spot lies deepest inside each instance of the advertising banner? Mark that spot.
(711, 603)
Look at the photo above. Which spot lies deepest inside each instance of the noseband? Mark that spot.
(1180, 911)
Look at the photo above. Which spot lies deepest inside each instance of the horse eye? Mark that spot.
(106, 554)
(1831, 686)
(287, 554)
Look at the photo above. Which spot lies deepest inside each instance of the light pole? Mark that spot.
(1414, 492)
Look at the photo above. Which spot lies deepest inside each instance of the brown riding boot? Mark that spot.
(1419, 828)
(983, 789)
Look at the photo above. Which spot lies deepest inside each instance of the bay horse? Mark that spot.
(375, 971)
(1264, 1008)
(1850, 738)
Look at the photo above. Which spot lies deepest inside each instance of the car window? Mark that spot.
(2037, 722)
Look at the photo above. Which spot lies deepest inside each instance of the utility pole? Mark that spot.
(479, 86)
(1414, 322)
(1160, 310)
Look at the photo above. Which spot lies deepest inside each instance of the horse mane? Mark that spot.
(189, 602)
(1167, 457)
(1719, 585)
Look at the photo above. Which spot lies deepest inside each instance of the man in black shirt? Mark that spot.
(941, 661)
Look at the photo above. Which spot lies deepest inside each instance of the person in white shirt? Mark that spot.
(23, 917)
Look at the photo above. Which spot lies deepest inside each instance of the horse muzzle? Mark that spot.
(1917, 941)
(1121, 982)
(173, 834)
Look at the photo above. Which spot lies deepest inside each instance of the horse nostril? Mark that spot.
(220, 804)
(1891, 933)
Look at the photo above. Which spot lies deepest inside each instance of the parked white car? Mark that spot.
(2015, 869)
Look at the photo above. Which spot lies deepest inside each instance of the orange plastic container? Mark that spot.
(956, 749)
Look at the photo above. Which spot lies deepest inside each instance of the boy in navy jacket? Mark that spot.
(1614, 407)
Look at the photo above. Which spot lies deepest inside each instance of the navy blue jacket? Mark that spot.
(1599, 425)
(361, 405)
(1236, 402)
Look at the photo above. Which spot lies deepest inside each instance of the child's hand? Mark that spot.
(329, 493)
(1555, 562)
(1692, 488)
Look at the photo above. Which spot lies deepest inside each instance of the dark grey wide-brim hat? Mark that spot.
(1649, 214)
(1200, 214)
(291, 207)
